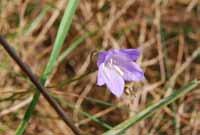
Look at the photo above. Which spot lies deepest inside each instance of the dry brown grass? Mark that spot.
(166, 31)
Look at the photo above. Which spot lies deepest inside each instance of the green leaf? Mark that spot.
(119, 129)
(61, 35)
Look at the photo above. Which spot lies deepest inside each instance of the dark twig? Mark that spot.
(39, 87)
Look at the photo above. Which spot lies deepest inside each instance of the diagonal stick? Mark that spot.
(39, 87)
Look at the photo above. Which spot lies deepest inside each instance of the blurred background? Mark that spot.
(166, 31)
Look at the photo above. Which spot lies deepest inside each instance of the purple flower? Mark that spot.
(117, 66)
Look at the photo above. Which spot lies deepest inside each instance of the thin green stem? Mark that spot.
(93, 118)
(61, 35)
(149, 110)
(24, 123)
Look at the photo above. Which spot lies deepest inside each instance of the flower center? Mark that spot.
(112, 64)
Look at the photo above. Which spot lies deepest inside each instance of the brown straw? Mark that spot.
(39, 87)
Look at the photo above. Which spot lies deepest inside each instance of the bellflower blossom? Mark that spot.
(117, 66)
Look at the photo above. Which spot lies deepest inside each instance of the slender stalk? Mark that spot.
(30, 109)
(122, 127)
(39, 87)
(61, 35)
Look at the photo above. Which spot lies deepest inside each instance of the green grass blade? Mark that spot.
(23, 124)
(74, 45)
(36, 22)
(92, 117)
(61, 35)
(119, 129)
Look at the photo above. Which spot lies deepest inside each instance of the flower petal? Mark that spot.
(100, 76)
(113, 80)
(131, 71)
(133, 54)
(101, 57)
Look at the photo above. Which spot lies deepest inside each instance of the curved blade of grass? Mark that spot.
(36, 22)
(74, 45)
(119, 129)
(93, 118)
(61, 35)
